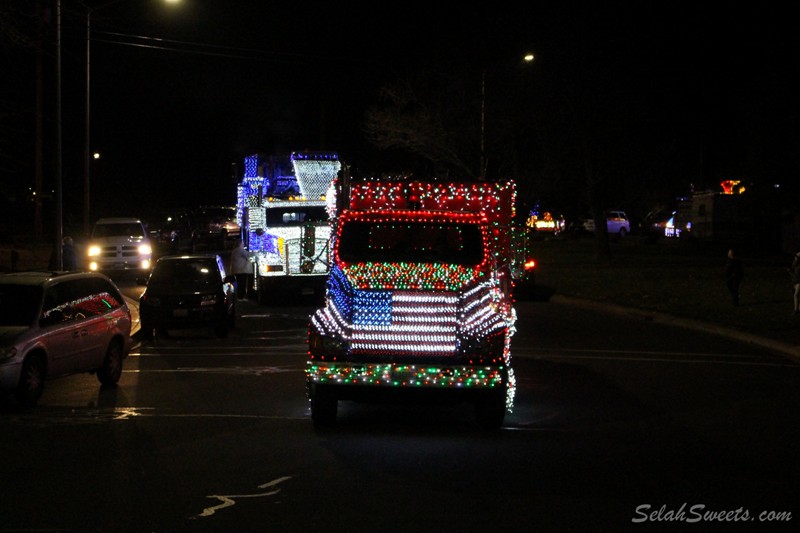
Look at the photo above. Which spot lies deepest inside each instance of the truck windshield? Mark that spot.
(411, 242)
(116, 230)
(295, 216)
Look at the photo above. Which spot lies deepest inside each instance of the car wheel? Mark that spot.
(111, 371)
(622, 232)
(31, 380)
(323, 405)
(490, 411)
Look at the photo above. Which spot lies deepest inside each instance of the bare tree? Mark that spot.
(417, 116)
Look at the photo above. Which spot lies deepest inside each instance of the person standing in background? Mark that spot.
(68, 254)
(794, 272)
(242, 268)
(733, 275)
(69, 259)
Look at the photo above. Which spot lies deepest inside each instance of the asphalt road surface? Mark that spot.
(618, 425)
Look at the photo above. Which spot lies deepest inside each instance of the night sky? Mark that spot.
(173, 118)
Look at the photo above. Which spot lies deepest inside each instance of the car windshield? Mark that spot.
(411, 242)
(186, 270)
(116, 230)
(19, 304)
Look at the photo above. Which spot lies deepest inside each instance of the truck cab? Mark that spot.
(283, 211)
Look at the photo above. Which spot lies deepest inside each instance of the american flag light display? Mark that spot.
(417, 322)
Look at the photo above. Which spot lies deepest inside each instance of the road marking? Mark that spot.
(77, 416)
(229, 500)
(288, 349)
(236, 370)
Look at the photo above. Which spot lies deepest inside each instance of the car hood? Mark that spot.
(116, 239)
(9, 333)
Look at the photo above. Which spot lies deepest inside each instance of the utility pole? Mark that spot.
(59, 204)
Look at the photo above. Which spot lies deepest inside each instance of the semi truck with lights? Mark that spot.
(281, 209)
(420, 297)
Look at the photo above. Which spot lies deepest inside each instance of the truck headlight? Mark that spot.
(93, 250)
(326, 347)
(484, 349)
(145, 249)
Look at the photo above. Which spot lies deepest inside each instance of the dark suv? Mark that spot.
(55, 324)
(188, 291)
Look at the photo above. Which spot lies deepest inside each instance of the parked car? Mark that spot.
(58, 324)
(616, 221)
(188, 291)
(216, 226)
(119, 243)
(173, 233)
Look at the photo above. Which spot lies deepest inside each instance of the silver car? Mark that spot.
(616, 221)
(55, 324)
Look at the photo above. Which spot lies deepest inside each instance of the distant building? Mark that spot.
(724, 218)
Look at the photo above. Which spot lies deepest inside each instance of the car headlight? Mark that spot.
(145, 249)
(93, 250)
(208, 299)
(7, 352)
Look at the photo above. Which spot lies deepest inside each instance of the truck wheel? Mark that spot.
(323, 405)
(490, 411)
(264, 296)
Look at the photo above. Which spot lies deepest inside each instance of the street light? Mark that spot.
(527, 58)
(87, 123)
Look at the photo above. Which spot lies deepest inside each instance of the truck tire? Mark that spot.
(323, 405)
(490, 411)
(262, 293)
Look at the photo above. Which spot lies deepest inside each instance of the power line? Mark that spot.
(213, 50)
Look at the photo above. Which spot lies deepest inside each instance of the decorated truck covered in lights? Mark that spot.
(281, 208)
(419, 299)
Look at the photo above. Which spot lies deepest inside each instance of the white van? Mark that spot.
(119, 243)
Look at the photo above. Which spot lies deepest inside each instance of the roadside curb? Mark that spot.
(791, 352)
